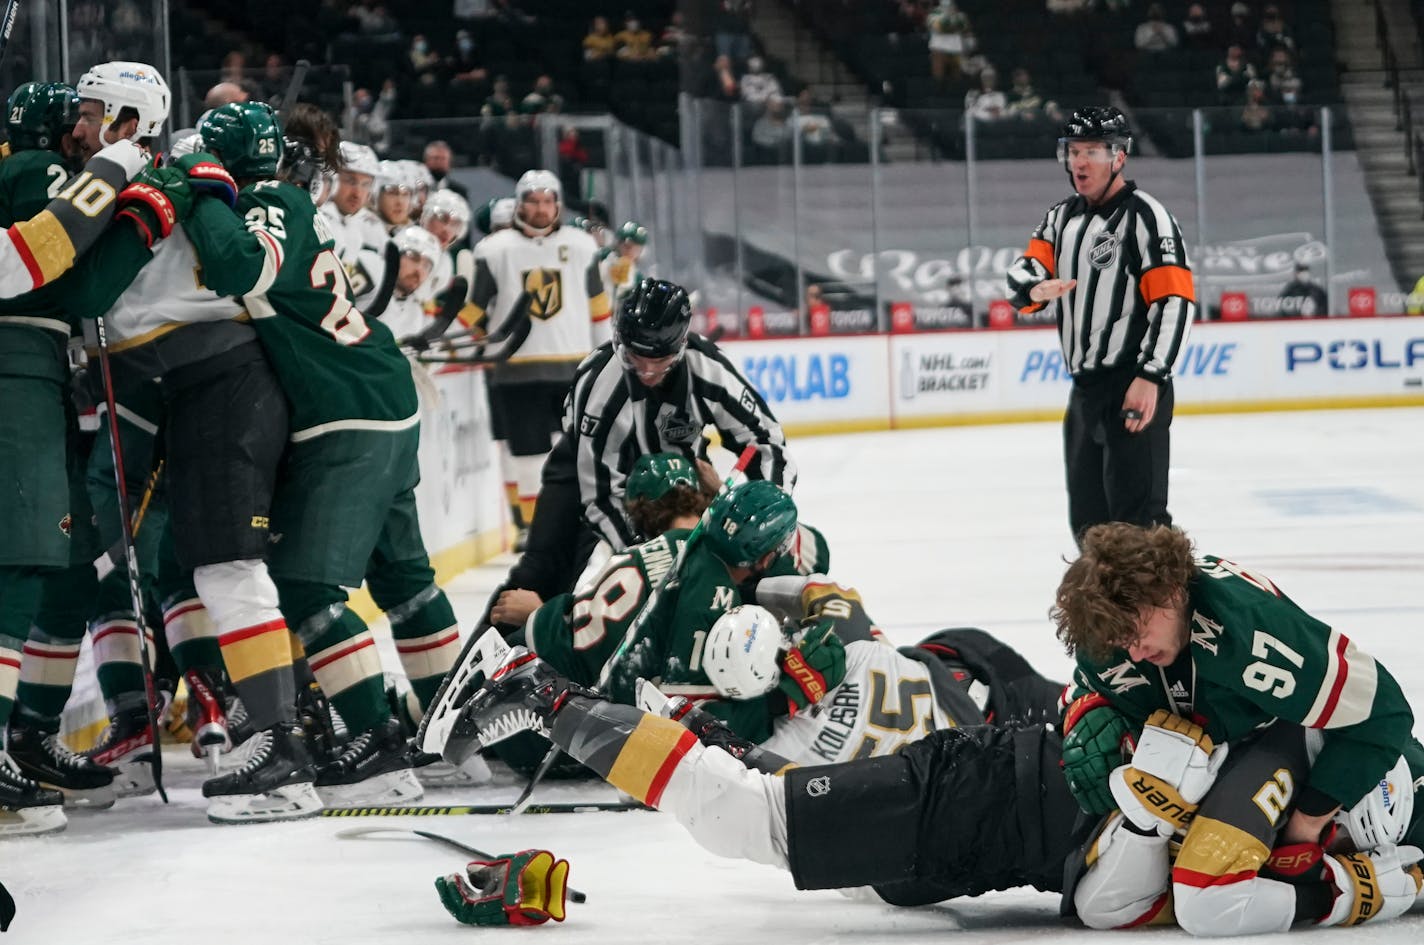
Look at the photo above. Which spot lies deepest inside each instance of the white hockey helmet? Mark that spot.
(137, 85)
(502, 214)
(391, 176)
(418, 241)
(1382, 816)
(741, 655)
(185, 143)
(359, 159)
(531, 181)
(449, 204)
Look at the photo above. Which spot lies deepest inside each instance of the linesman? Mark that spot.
(1112, 261)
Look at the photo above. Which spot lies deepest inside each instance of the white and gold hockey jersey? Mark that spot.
(567, 306)
(885, 702)
(361, 232)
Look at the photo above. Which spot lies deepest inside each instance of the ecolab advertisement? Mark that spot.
(882, 381)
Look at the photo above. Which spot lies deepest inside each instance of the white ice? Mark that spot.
(958, 526)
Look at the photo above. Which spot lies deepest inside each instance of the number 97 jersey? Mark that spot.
(333, 363)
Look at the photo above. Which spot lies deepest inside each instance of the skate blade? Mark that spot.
(209, 737)
(482, 654)
(32, 821)
(289, 802)
(212, 756)
(101, 798)
(134, 778)
(393, 787)
(471, 773)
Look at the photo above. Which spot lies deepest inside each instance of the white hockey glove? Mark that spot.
(1173, 767)
(1377, 885)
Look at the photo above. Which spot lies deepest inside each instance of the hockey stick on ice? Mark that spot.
(460, 810)
(402, 833)
(634, 628)
(131, 555)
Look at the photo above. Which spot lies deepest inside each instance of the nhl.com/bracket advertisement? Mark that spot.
(882, 381)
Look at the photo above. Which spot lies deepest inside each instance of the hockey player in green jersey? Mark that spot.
(1260, 724)
(345, 505)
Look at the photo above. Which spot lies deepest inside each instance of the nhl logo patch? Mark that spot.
(819, 787)
(66, 525)
(1103, 253)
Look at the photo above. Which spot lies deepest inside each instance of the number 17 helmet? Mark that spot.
(39, 113)
(247, 136)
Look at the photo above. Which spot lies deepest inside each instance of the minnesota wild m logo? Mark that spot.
(546, 292)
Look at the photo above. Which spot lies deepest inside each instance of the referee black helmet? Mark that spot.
(654, 320)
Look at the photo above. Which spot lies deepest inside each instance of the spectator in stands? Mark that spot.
(1273, 33)
(947, 26)
(423, 62)
(1242, 31)
(465, 66)
(542, 98)
(1155, 34)
(1281, 78)
(375, 19)
(771, 134)
(731, 29)
(674, 39)
(635, 44)
(599, 44)
(813, 125)
(273, 84)
(1067, 7)
(437, 158)
(573, 158)
(224, 92)
(988, 102)
(1026, 103)
(234, 65)
(499, 103)
(1233, 74)
(369, 116)
(759, 87)
(973, 61)
(128, 22)
(724, 86)
(1256, 114)
(1304, 296)
(1197, 32)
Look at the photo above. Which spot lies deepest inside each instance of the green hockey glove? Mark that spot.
(207, 176)
(814, 665)
(158, 199)
(525, 888)
(1096, 740)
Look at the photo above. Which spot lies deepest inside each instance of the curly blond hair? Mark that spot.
(1122, 570)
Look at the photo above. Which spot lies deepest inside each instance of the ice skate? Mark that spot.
(39, 755)
(372, 768)
(26, 809)
(206, 717)
(523, 695)
(275, 783)
(478, 659)
(127, 749)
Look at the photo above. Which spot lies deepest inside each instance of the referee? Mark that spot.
(653, 388)
(1112, 261)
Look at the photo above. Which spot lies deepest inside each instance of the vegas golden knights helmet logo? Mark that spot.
(546, 292)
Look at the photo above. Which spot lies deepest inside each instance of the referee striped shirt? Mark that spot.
(1134, 302)
(613, 419)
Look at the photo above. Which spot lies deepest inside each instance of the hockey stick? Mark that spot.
(109, 560)
(7, 25)
(294, 88)
(634, 628)
(130, 554)
(460, 810)
(402, 833)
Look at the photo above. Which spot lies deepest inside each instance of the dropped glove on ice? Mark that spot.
(525, 888)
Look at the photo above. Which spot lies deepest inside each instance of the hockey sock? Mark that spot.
(527, 470)
(20, 590)
(423, 624)
(52, 646)
(192, 638)
(114, 634)
(340, 650)
(242, 601)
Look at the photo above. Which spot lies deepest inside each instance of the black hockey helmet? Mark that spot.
(654, 319)
(1096, 123)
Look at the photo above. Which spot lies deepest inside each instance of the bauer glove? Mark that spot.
(158, 199)
(815, 664)
(1175, 764)
(524, 888)
(207, 176)
(1096, 739)
(1380, 884)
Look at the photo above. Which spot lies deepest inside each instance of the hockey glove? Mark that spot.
(158, 199)
(525, 888)
(1096, 739)
(1175, 764)
(207, 176)
(815, 664)
(1377, 885)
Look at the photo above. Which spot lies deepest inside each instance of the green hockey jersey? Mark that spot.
(33, 327)
(339, 370)
(1253, 657)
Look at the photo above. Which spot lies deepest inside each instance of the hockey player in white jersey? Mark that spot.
(395, 196)
(416, 281)
(354, 225)
(548, 274)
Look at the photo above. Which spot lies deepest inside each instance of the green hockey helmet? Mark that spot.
(654, 475)
(247, 136)
(633, 232)
(39, 113)
(748, 521)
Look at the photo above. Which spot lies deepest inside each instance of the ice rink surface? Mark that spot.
(946, 527)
